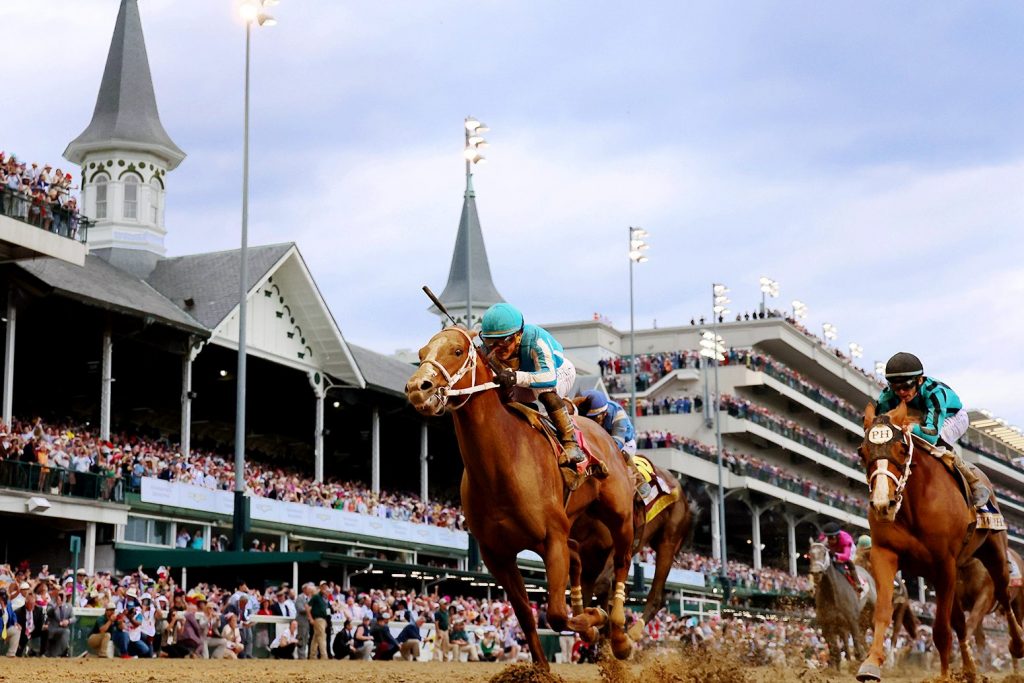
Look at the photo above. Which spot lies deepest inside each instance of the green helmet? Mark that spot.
(864, 542)
(501, 320)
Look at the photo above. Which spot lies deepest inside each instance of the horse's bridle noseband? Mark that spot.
(443, 391)
(881, 464)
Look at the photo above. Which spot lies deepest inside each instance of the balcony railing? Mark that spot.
(797, 435)
(44, 214)
(813, 393)
(57, 481)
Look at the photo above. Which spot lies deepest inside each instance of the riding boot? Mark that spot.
(980, 493)
(563, 423)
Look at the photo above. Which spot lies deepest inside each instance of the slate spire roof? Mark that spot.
(476, 266)
(126, 115)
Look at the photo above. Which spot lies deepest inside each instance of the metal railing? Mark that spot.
(57, 481)
(44, 214)
(812, 392)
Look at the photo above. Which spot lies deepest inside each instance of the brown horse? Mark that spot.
(922, 523)
(975, 593)
(665, 534)
(512, 491)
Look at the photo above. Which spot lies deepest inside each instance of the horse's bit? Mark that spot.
(882, 466)
(469, 365)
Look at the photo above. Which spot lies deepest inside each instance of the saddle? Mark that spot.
(592, 467)
(989, 517)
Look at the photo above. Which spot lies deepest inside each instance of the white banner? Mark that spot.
(371, 527)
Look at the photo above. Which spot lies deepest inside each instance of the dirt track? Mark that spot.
(266, 671)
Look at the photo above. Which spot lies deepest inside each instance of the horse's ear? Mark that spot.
(869, 416)
(899, 416)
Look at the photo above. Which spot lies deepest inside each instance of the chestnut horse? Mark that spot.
(975, 594)
(665, 534)
(512, 491)
(922, 523)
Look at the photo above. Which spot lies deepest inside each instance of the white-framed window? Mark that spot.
(148, 530)
(131, 196)
(101, 195)
(154, 201)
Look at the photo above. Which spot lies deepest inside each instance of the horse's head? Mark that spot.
(819, 557)
(886, 452)
(448, 361)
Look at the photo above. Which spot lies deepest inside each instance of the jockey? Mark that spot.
(840, 545)
(535, 365)
(616, 422)
(944, 418)
(863, 554)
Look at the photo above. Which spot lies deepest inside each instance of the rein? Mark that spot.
(444, 391)
(882, 469)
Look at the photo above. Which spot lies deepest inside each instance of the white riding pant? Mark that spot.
(629, 448)
(954, 427)
(565, 378)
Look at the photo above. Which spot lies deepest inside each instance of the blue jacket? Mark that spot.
(934, 400)
(410, 632)
(12, 619)
(616, 422)
(540, 356)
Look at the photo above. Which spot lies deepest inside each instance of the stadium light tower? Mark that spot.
(475, 144)
(879, 368)
(252, 11)
(799, 310)
(719, 301)
(830, 331)
(637, 247)
(769, 287)
(856, 350)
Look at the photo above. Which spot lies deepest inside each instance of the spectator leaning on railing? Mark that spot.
(37, 196)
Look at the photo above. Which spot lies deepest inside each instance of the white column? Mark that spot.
(424, 466)
(12, 318)
(320, 391)
(89, 561)
(184, 578)
(922, 592)
(295, 576)
(755, 532)
(716, 526)
(791, 536)
(282, 543)
(375, 451)
(107, 379)
(186, 404)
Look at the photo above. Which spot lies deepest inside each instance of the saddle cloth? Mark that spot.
(661, 494)
(1015, 576)
(541, 423)
(989, 516)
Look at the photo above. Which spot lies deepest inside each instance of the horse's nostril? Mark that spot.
(425, 384)
(892, 503)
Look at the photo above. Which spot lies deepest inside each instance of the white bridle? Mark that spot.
(824, 563)
(882, 470)
(443, 391)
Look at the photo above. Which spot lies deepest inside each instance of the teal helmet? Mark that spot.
(501, 320)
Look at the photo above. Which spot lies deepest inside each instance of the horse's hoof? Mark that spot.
(636, 631)
(869, 672)
(590, 635)
(579, 623)
(622, 646)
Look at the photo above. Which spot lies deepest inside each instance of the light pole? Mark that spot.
(769, 287)
(856, 350)
(799, 310)
(252, 11)
(637, 247)
(719, 301)
(471, 151)
(831, 332)
(879, 369)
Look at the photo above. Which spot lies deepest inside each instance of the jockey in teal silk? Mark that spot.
(535, 368)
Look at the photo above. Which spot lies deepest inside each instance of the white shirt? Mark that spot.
(287, 608)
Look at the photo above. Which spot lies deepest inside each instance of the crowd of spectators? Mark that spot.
(747, 410)
(74, 460)
(652, 367)
(747, 465)
(1003, 457)
(38, 195)
(764, 580)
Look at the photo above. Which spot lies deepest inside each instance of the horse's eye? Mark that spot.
(458, 352)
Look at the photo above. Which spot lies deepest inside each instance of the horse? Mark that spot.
(902, 616)
(975, 593)
(923, 524)
(665, 534)
(837, 605)
(513, 495)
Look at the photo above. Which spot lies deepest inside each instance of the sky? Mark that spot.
(868, 156)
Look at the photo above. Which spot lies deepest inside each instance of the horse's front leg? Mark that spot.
(884, 564)
(963, 634)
